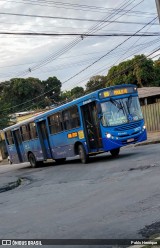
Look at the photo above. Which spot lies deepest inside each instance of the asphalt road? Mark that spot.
(107, 198)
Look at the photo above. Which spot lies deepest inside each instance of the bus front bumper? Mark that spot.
(116, 142)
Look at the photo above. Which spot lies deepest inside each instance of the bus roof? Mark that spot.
(63, 106)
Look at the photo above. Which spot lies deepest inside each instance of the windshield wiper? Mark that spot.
(128, 103)
(119, 105)
(116, 103)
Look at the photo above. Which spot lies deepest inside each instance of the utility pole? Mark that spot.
(158, 8)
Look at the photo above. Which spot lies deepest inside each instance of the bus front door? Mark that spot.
(44, 139)
(92, 126)
(18, 144)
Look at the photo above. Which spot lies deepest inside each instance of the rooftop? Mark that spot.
(148, 91)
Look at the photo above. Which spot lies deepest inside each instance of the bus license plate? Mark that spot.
(130, 140)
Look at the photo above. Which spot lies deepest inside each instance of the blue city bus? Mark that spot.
(102, 121)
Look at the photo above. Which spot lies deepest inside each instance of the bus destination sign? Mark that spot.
(116, 92)
(120, 91)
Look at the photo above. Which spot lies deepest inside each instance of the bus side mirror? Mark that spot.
(100, 116)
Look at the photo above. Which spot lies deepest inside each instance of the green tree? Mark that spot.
(120, 74)
(77, 92)
(144, 71)
(31, 90)
(95, 83)
(139, 70)
(157, 72)
(4, 116)
(65, 96)
(20, 90)
(53, 88)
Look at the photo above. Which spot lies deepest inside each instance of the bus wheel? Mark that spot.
(60, 160)
(82, 154)
(32, 160)
(115, 152)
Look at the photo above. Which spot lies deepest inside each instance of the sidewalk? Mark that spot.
(152, 138)
(4, 161)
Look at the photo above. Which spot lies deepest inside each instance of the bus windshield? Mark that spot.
(120, 111)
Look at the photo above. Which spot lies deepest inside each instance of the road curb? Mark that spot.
(148, 143)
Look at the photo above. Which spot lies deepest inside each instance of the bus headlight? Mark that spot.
(108, 135)
(144, 127)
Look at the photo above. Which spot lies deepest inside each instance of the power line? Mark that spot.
(146, 44)
(70, 45)
(79, 34)
(113, 77)
(90, 65)
(70, 18)
(86, 67)
(64, 83)
(77, 6)
(107, 68)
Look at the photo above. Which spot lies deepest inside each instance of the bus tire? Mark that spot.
(115, 152)
(60, 160)
(82, 154)
(32, 160)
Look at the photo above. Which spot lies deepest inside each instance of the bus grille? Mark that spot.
(128, 126)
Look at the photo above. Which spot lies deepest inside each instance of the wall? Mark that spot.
(151, 115)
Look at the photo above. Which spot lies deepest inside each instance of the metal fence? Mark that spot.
(151, 115)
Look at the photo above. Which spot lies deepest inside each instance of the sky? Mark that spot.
(74, 59)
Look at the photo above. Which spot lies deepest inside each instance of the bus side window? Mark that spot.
(9, 138)
(75, 120)
(66, 120)
(25, 132)
(71, 118)
(55, 123)
(33, 131)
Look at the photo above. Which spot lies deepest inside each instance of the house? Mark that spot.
(149, 95)
(21, 116)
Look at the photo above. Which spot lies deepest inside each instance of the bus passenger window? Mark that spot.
(33, 131)
(25, 133)
(66, 120)
(9, 138)
(75, 121)
(71, 118)
(55, 123)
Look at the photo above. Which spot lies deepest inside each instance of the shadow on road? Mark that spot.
(92, 160)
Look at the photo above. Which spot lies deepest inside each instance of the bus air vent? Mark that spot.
(128, 126)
